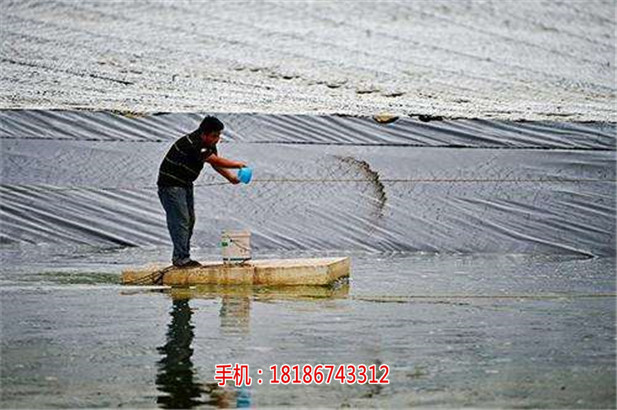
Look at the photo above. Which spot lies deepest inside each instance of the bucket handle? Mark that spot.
(240, 245)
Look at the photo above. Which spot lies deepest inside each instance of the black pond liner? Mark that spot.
(320, 182)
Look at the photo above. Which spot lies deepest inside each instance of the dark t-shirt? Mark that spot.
(184, 161)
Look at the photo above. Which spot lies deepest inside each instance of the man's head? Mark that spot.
(210, 129)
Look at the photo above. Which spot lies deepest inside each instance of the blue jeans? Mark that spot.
(179, 207)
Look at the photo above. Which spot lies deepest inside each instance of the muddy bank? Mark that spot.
(496, 59)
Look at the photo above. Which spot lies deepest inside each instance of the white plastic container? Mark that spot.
(236, 246)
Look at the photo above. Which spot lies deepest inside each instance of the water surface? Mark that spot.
(456, 330)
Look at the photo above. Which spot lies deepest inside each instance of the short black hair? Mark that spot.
(210, 124)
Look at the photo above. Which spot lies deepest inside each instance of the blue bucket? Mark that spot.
(245, 174)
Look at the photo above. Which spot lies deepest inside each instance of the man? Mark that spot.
(180, 167)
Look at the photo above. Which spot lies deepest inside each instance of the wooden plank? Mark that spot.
(274, 272)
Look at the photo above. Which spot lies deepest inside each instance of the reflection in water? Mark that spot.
(176, 376)
(339, 290)
(235, 315)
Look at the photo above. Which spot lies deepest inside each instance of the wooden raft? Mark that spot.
(272, 272)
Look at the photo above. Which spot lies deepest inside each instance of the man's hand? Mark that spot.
(234, 179)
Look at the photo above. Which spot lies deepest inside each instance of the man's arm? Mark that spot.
(220, 162)
(227, 174)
